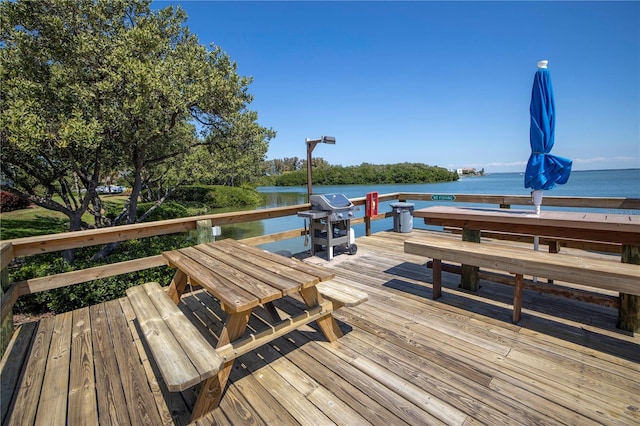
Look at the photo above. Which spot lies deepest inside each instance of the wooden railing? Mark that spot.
(11, 249)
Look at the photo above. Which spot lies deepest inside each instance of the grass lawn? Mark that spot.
(40, 221)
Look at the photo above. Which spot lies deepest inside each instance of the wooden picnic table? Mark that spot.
(242, 278)
(623, 229)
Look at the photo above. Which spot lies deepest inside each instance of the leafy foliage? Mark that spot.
(367, 174)
(10, 202)
(98, 291)
(97, 90)
(217, 196)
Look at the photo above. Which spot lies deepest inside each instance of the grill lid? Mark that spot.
(330, 202)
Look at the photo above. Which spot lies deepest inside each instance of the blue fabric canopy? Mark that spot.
(544, 170)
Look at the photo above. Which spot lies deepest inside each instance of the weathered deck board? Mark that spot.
(404, 359)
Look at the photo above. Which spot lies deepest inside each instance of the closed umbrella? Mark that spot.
(543, 170)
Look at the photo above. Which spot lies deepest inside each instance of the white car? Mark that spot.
(110, 189)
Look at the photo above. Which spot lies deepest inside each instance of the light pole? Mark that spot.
(311, 143)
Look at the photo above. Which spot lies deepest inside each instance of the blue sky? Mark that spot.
(441, 83)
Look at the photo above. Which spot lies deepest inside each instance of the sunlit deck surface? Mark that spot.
(404, 359)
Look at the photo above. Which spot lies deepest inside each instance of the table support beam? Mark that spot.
(469, 276)
(629, 312)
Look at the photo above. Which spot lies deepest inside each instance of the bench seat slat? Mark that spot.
(177, 370)
(200, 352)
(341, 294)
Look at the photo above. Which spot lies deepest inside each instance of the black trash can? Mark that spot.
(402, 217)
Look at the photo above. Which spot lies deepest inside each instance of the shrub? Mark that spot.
(94, 292)
(167, 210)
(192, 192)
(10, 202)
(218, 196)
(227, 196)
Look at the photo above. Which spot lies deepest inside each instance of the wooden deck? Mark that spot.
(404, 359)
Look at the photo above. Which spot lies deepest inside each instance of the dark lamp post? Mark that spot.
(311, 143)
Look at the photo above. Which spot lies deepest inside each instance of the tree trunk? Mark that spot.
(75, 224)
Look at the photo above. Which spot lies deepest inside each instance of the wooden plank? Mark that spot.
(603, 386)
(201, 354)
(341, 293)
(275, 274)
(66, 240)
(177, 370)
(24, 407)
(270, 410)
(563, 242)
(514, 369)
(464, 369)
(335, 408)
(340, 386)
(369, 385)
(141, 407)
(623, 229)
(112, 402)
(9, 298)
(589, 296)
(422, 340)
(593, 272)
(52, 407)
(234, 298)
(239, 273)
(323, 274)
(171, 405)
(436, 381)
(287, 396)
(83, 405)
(6, 254)
(235, 406)
(81, 276)
(11, 366)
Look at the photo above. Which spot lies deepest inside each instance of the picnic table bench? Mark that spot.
(592, 272)
(241, 278)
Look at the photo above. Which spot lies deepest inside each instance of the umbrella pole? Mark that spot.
(536, 195)
(536, 242)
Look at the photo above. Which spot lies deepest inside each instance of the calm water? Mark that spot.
(599, 183)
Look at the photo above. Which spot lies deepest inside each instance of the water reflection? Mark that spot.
(283, 199)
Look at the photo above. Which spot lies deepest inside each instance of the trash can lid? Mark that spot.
(403, 205)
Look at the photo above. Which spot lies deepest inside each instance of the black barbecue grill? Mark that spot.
(330, 223)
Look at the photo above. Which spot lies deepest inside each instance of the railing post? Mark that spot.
(367, 226)
(204, 230)
(6, 328)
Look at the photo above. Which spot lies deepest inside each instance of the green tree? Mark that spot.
(93, 87)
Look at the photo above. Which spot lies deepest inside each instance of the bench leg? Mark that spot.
(211, 390)
(327, 324)
(517, 298)
(437, 278)
(177, 286)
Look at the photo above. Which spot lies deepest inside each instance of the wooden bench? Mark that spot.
(182, 354)
(597, 273)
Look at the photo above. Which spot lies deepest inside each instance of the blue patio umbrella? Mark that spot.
(543, 170)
